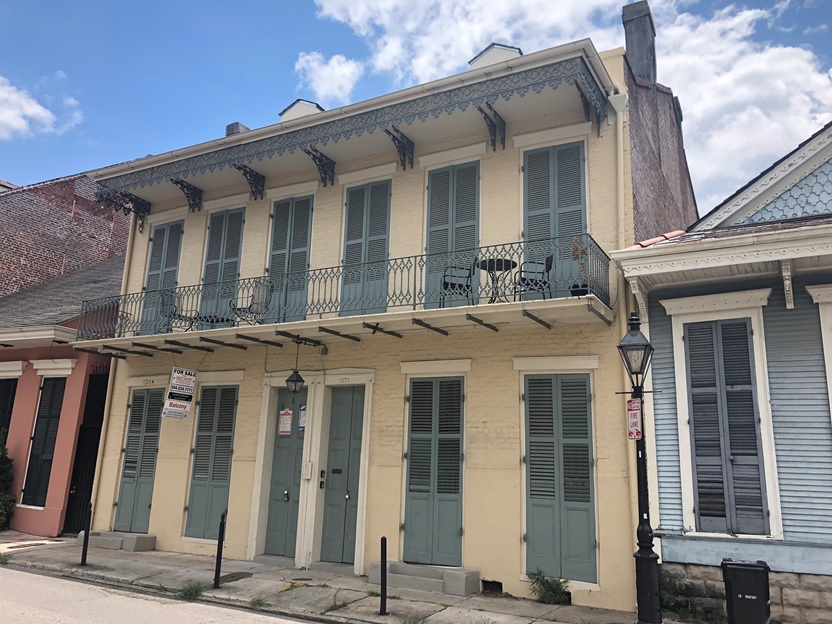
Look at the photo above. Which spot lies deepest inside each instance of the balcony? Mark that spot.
(571, 266)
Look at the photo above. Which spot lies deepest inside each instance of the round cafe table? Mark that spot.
(497, 269)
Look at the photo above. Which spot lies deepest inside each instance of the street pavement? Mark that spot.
(38, 599)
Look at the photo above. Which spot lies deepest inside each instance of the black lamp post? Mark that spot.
(294, 382)
(636, 351)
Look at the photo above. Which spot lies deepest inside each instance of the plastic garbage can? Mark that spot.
(746, 591)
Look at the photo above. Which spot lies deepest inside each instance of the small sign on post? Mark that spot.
(180, 394)
(634, 430)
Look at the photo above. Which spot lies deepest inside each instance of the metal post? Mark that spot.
(647, 568)
(220, 540)
(85, 547)
(383, 573)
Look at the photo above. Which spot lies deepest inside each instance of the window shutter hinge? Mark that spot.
(522, 169)
(404, 455)
(407, 398)
(401, 527)
(123, 450)
(461, 531)
(595, 544)
(186, 508)
(115, 504)
(462, 457)
(192, 451)
(524, 538)
(768, 512)
(522, 396)
(522, 459)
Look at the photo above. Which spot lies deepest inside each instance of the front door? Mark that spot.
(136, 492)
(433, 509)
(287, 464)
(343, 468)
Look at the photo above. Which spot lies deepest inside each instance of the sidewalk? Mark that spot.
(325, 593)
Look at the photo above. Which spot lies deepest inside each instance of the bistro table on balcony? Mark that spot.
(497, 269)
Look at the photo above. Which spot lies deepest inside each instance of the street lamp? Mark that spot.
(636, 351)
(294, 382)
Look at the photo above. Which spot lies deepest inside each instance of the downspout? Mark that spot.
(111, 380)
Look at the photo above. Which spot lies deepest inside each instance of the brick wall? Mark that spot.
(663, 198)
(55, 228)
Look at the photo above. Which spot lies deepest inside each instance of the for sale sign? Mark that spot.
(180, 394)
(634, 430)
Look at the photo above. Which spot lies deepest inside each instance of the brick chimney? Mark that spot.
(640, 39)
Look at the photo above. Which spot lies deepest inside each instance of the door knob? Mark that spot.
(286, 495)
(347, 496)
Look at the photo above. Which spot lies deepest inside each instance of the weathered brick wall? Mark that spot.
(53, 229)
(663, 198)
(795, 598)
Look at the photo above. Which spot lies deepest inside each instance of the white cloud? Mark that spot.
(22, 115)
(746, 101)
(331, 80)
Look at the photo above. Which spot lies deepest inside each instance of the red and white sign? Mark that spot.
(284, 422)
(180, 394)
(634, 429)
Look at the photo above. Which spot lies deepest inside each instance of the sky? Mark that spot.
(88, 84)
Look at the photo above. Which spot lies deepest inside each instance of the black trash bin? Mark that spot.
(746, 591)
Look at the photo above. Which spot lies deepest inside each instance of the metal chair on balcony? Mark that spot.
(257, 305)
(534, 277)
(457, 281)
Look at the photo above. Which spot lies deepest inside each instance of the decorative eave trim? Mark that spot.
(454, 155)
(12, 370)
(557, 363)
(430, 367)
(293, 190)
(820, 294)
(574, 71)
(738, 300)
(564, 134)
(369, 174)
(54, 368)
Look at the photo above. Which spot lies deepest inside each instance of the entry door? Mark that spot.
(343, 468)
(222, 268)
(137, 476)
(433, 509)
(289, 259)
(287, 464)
(560, 508)
(364, 289)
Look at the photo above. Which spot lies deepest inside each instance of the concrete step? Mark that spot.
(115, 540)
(440, 579)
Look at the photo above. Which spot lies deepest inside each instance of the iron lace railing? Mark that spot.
(543, 269)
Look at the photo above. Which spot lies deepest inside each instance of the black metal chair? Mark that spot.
(534, 276)
(257, 305)
(457, 281)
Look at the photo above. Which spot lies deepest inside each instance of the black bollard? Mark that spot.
(383, 606)
(220, 540)
(87, 522)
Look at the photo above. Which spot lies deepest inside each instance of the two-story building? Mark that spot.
(432, 263)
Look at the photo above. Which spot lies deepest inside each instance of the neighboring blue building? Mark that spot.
(739, 309)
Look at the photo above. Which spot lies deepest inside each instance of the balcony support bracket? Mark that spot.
(496, 125)
(270, 343)
(220, 343)
(256, 181)
(94, 352)
(478, 321)
(130, 351)
(192, 194)
(421, 323)
(404, 146)
(377, 328)
(536, 319)
(185, 345)
(592, 309)
(126, 202)
(310, 342)
(325, 165)
(332, 332)
(144, 345)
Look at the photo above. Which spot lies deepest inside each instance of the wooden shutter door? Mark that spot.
(375, 274)
(570, 215)
(221, 459)
(130, 467)
(279, 258)
(210, 303)
(43, 442)
(418, 534)
(297, 283)
(447, 512)
(162, 273)
(539, 198)
(577, 514)
(439, 236)
(200, 480)
(353, 250)
(146, 471)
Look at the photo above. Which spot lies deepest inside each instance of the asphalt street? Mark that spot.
(36, 599)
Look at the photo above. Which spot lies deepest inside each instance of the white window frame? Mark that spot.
(736, 305)
(822, 295)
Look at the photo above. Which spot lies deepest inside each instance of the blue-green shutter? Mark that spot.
(162, 276)
(729, 479)
(365, 273)
(222, 266)
(139, 468)
(42, 451)
(289, 259)
(212, 457)
(453, 230)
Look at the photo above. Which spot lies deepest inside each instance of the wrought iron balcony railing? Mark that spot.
(563, 267)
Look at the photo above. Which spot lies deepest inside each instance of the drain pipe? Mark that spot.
(111, 380)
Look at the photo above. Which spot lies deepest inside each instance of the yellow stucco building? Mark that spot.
(432, 263)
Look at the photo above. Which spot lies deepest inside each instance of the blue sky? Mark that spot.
(88, 84)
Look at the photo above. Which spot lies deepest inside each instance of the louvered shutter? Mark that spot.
(570, 215)
(418, 510)
(299, 259)
(213, 253)
(222, 266)
(447, 513)
(8, 388)
(728, 467)
(157, 257)
(353, 249)
(43, 442)
(538, 182)
(378, 223)
(439, 237)
(162, 274)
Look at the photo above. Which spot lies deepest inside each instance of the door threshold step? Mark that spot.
(439, 579)
(116, 540)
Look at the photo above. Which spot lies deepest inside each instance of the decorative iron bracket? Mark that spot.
(325, 165)
(256, 181)
(126, 202)
(192, 194)
(495, 125)
(377, 328)
(588, 108)
(404, 146)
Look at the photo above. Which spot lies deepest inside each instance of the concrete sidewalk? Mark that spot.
(325, 593)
